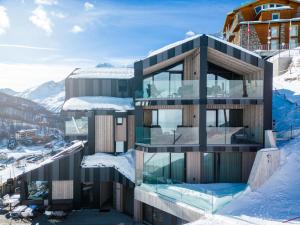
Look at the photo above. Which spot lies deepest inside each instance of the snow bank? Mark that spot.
(104, 73)
(99, 103)
(124, 163)
(277, 200)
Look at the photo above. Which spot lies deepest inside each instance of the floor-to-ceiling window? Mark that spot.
(164, 168)
(164, 84)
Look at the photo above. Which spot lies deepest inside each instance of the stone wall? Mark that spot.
(254, 41)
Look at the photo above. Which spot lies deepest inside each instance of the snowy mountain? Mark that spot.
(8, 91)
(51, 95)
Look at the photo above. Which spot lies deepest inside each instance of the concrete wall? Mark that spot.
(267, 161)
(281, 65)
(182, 211)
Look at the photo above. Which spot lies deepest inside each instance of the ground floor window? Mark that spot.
(222, 167)
(38, 190)
(164, 168)
(76, 126)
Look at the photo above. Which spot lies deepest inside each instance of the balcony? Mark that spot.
(167, 136)
(235, 89)
(176, 89)
(230, 135)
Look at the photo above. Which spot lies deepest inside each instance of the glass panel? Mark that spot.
(156, 136)
(223, 117)
(174, 89)
(275, 16)
(208, 162)
(156, 167)
(119, 146)
(229, 135)
(274, 44)
(274, 32)
(293, 42)
(234, 88)
(257, 9)
(177, 68)
(77, 126)
(154, 117)
(177, 167)
(169, 119)
(211, 118)
(294, 30)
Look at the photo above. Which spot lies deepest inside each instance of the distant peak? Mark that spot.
(107, 65)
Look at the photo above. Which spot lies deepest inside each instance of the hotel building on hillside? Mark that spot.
(165, 142)
(265, 25)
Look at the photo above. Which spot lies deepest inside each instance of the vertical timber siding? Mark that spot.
(104, 128)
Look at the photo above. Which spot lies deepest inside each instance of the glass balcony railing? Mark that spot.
(229, 135)
(177, 89)
(206, 197)
(234, 89)
(167, 136)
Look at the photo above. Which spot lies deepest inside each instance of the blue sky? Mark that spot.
(44, 40)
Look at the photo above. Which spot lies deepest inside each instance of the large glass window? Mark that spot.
(275, 16)
(77, 127)
(294, 30)
(167, 119)
(274, 44)
(294, 42)
(38, 190)
(164, 167)
(164, 84)
(274, 32)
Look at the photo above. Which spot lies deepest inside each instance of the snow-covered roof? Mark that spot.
(124, 163)
(167, 47)
(104, 73)
(175, 44)
(86, 103)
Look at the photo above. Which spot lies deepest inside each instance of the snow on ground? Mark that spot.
(276, 201)
(124, 163)
(99, 102)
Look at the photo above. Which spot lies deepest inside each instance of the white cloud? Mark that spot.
(46, 2)
(88, 6)
(190, 34)
(26, 47)
(59, 15)
(76, 29)
(40, 19)
(4, 20)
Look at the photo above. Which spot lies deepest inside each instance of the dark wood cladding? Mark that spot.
(76, 87)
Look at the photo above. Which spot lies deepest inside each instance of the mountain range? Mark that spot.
(51, 94)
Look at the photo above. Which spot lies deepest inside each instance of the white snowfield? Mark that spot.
(124, 163)
(98, 102)
(104, 73)
(276, 201)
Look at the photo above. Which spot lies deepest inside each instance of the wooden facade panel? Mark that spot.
(131, 131)
(193, 167)
(191, 115)
(62, 189)
(247, 163)
(121, 130)
(104, 133)
(192, 66)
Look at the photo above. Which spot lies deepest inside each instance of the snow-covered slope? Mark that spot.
(50, 94)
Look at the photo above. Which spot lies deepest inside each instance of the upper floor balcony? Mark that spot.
(189, 89)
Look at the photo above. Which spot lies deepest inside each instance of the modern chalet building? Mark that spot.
(166, 142)
(264, 25)
(202, 107)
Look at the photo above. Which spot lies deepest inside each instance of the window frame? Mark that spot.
(118, 122)
(276, 14)
(277, 31)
